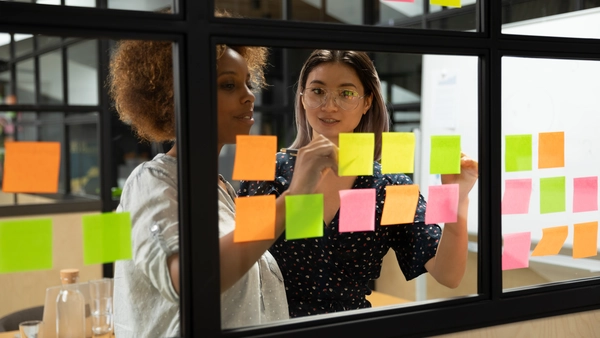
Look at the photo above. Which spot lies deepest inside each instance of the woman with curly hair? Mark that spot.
(146, 295)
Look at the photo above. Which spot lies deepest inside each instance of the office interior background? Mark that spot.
(53, 88)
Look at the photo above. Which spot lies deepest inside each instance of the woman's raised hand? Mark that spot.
(469, 172)
(312, 161)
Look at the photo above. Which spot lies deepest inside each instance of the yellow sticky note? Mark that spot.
(552, 240)
(356, 154)
(254, 218)
(551, 150)
(447, 3)
(26, 160)
(25, 245)
(255, 158)
(397, 153)
(106, 237)
(400, 204)
(585, 240)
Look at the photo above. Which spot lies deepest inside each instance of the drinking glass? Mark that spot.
(101, 306)
(30, 328)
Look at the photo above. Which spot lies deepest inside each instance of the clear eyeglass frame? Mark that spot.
(343, 104)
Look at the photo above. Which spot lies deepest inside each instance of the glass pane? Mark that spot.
(26, 82)
(85, 171)
(23, 44)
(51, 78)
(45, 41)
(337, 270)
(383, 12)
(5, 79)
(141, 5)
(81, 3)
(550, 170)
(83, 73)
(560, 18)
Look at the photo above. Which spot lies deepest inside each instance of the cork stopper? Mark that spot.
(69, 276)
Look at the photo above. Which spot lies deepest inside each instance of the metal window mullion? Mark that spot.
(105, 140)
(65, 72)
(36, 71)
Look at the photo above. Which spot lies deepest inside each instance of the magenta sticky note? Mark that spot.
(357, 210)
(442, 204)
(515, 254)
(585, 194)
(517, 194)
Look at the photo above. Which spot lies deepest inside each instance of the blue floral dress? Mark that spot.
(331, 273)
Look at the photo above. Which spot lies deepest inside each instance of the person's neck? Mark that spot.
(173, 151)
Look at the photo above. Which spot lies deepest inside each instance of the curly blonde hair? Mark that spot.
(140, 82)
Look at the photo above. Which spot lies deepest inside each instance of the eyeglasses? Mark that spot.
(346, 99)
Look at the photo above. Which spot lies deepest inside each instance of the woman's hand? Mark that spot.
(469, 172)
(311, 163)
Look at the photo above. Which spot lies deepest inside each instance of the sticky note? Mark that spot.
(357, 210)
(551, 150)
(585, 194)
(254, 218)
(255, 158)
(552, 194)
(106, 237)
(400, 204)
(25, 245)
(303, 216)
(447, 3)
(397, 153)
(585, 240)
(515, 253)
(517, 156)
(26, 160)
(445, 154)
(356, 154)
(442, 204)
(551, 242)
(517, 194)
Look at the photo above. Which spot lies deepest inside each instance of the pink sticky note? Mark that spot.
(517, 194)
(442, 204)
(585, 194)
(357, 210)
(515, 254)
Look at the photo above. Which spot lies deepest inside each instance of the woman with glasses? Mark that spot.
(339, 92)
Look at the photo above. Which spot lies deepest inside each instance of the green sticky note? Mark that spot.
(552, 195)
(518, 153)
(397, 153)
(106, 237)
(303, 216)
(25, 245)
(447, 3)
(445, 154)
(356, 154)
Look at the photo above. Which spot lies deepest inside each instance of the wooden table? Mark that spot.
(383, 299)
(9, 334)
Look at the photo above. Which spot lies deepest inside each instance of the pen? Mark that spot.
(289, 151)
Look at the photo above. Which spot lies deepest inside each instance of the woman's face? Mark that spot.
(334, 80)
(234, 97)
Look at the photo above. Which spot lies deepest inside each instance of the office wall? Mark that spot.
(27, 289)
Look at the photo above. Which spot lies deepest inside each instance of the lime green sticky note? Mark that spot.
(447, 3)
(518, 153)
(303, 216)
(397, 153)
(552, 194)
(445, 154)
(25, 245)
(106, 237)
(356, 154)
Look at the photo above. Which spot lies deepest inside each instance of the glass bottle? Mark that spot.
(70, 307)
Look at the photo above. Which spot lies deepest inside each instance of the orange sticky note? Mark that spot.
(551, 242)
(400, 204)
(585, 239)
(255, 158)
(551, 150)
(31, 167)
(254, 218)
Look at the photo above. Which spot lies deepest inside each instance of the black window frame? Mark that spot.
(195, 32)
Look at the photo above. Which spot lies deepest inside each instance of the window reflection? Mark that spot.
(552, 113)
